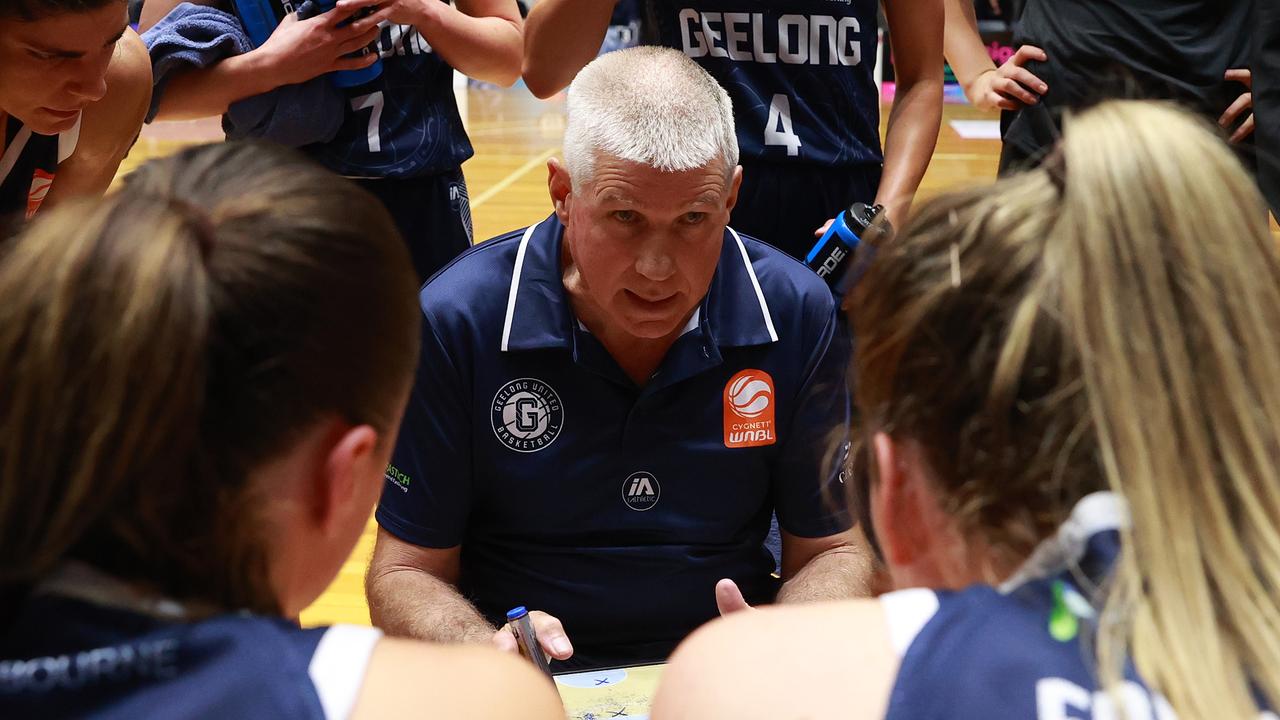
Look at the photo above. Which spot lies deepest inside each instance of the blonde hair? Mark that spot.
(1110, 320)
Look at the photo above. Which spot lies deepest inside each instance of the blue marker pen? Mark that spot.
(522, 628)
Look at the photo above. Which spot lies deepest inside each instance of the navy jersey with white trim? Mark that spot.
(1023, 650)
(800, 72)
(615, 507)
(404, 123)
(29, 165)
(62, 658)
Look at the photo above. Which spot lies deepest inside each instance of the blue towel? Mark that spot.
(196, 36)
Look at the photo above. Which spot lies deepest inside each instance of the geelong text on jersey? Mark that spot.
(755, 37)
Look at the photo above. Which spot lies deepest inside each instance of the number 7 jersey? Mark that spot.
(800, 72)
(404, 123)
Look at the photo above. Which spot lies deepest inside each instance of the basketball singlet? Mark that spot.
(28, 166)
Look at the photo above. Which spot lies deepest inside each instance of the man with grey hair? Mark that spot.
(610, 404)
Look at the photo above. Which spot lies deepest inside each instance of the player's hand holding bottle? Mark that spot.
(418, 13)
(300, 50)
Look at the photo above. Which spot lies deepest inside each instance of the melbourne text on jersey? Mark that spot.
(757, 37)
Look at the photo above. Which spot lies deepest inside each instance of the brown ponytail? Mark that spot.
(158, 345)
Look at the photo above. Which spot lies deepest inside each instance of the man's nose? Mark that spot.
(655, 264)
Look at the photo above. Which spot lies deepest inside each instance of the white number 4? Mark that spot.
(374, 101)
(777, 129)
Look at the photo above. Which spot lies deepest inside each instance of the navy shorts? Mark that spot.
(433, 214)
(782, 204)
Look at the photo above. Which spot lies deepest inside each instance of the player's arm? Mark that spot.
(560, 37)
(1008, 87)
(297, 51)
(110, 126)
(413, 593)
(407, 679)
(915, 28)
(479, 38)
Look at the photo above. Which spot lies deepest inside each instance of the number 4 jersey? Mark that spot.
(800, 72)
(404, 123)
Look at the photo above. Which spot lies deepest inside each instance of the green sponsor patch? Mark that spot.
(395, 476)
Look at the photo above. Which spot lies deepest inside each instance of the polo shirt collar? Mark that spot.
(735, 312)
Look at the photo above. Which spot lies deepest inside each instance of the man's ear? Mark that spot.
(561, 186)
(735, 184)
(346, 468)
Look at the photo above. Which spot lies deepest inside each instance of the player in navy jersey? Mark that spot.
(401, 135)
(1071, 473)
(800, 74)
(611, 403)
(203, 374)
(74, 86)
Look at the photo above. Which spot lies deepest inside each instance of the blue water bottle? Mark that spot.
(261, 17)
(832, 258)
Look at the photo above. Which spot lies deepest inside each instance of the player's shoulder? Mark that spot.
(787, 284)
(783, 661)
(111, 125)
(453, 681)
(129, 78)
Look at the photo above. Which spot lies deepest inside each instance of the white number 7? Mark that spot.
(365, 102)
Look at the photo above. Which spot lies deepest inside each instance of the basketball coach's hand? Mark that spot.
(729, 597)
(300, 50)
(551, 636)
(1010, 86)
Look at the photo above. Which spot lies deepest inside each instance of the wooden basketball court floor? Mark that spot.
(514, 134)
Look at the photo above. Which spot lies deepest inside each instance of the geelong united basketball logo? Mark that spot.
(749, 410)
(527, 415)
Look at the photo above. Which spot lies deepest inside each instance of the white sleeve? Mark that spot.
(338, 667)
(907, 612)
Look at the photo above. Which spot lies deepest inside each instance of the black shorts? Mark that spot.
(783, 204)
(433, 214)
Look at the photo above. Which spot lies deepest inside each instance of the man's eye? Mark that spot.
(693, 218)
(624, 216)
(40, 55)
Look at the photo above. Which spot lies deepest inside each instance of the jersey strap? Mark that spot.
(338, 667)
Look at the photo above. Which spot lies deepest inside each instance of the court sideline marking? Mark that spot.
(511, 179)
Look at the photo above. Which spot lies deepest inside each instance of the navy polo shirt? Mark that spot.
(611, 506)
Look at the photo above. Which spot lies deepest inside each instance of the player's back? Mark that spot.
(75, 657)
(1026, 649)
(800, 73)
(1142, 48)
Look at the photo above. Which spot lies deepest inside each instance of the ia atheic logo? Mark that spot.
(641, 491)
(749, 410)
(527, 415)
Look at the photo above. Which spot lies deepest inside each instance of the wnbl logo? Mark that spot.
(749, 410)
(641, 491)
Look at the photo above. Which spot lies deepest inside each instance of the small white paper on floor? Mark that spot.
(977, 129)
